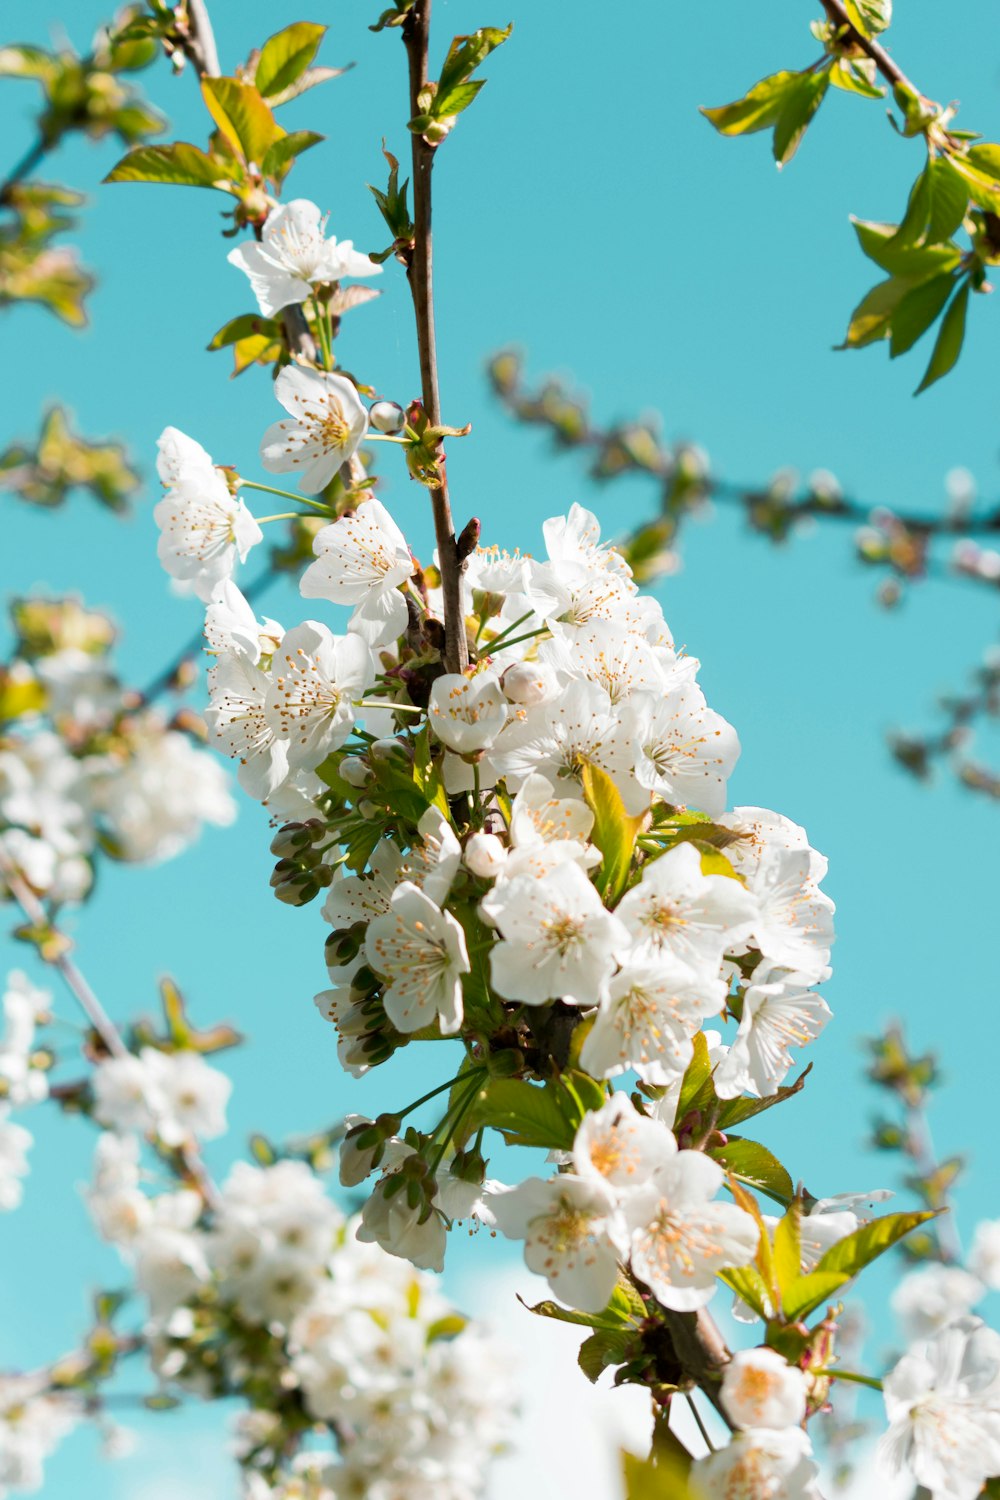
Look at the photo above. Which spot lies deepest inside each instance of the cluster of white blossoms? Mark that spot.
(86, 768)
(33, 1422)
(23, 1077)
(267, 1293)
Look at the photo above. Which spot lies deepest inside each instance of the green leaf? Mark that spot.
(805, 1293)
(285, 56)
(243, 327)
(530, 1114)
(913, 263)
(754, 1164)
(279, 158)
(872, 318)
(697, 1091)
(979, 169)
(666, 1479)
(180, 163)
(869, 16)
(735, 1111)
(242, 116)
(466, 53)
(757, 110)
(800, 104)
(951, 336)
(625, 1311)
(603, 1348)
(857, 1250)
(915, 312)
(937, 205)
(457, 99)
(788, 1246)
(848, 74)
(750, 1286)
(614, 831)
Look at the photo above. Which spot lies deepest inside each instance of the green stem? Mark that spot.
(402, 1114)
(529, 635)
(269, 489)
(507, 629)
(324, 337)
(700, 1424)
(852, 1377)
(453, 1118)
(285, 515)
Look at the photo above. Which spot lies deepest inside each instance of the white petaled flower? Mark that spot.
(646, 1020)
(326, 424)
(984, 1257)
(485, 855)
(316, 678)
(540, 816)
(679, 1238)
(433, 863)
(943, 1404)
(760, 1464)
(22, 1006)
(794, 925)
(758, 830)
(421, 951)
(190, 1096)
(686, 751)
(779, 1013)
(204, 528)
(237, 718)
(32, 1423)
(293, 255)
(232, 627)
(467, 713)
(559, 941)
(622, 662)
(414, 1234)
(360, 561)
(761, 1389)
(925, 1301)
(558, 738)
(571, 1232)
(125, 1098)
(676, 910)
(154, 804)
(617, 1147)
(15, 1143)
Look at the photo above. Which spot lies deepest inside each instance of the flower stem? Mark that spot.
(477, 1072)
(700, 1424)
(269, 489)
(852, 1377)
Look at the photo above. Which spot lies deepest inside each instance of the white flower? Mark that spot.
(421, 951)
(559, 942)
(763, 1464)
(676, 910)
(686, 752)
(170, 1265)
(15, 1143)
(204, 529)
(779, 1013)
(232, 626)
(316, 677)
(759, 830)
(154, 804)
(467, 713)
(925, 1301)
(485, 855)
(539, 816)
(361, 561)
(415, 1234)
(32, 1423)
(433, 864)
(943, 1404)
(760, 1389)
(794, 925)
(618, 1148)
(190, 1096)
(528, 683)
(237, 718)
(984, 1257)
(574, 540)
(293, 256)
(326, 424)
(124, 1098)
(22, 1006)
(647, 1017)
(571, 1233)
(560, 736)
(679, 1238)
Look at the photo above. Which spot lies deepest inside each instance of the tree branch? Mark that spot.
(200, 45)
(890, 70)
(420, 274)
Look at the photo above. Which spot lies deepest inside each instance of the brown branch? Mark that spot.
(890, 70)
(701, 1352)
(420, 274)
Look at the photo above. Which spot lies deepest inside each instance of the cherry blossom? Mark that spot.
(361, 560)
(325, 426)
(293, 256)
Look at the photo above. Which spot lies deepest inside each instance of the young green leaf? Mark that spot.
(799, 106)
(180, 163)
(857, 1250)
(913, 263)
(915, 312)
(279, 158)
(951, 336)
(849, 74)
(603, 1348)
(754, 1164)
(788, 1246)
(285, 56)
(750, 1286)
(805, 1293)
(869, 16)
(615, 831)
(872, 318)
(242, 116)
(757, 110)
(936, 207)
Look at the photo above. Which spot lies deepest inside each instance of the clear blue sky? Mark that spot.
(587, 212)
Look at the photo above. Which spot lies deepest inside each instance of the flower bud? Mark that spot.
(505, 1064)
(361, 1151)
(289, 839)
(485, 855)
(528, 683)
(355, 771)
(387, 416)
(390, 751)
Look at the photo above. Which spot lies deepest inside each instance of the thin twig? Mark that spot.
(890, 70)
(420, 274)
(29, 161)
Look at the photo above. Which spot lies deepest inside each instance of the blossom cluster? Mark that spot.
(86, 766)
(23, 1077)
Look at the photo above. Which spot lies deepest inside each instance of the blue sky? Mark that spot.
(586, 212)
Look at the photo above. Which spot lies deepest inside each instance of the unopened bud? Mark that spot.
(505, 1064)
(355, 771)
(387, 416)
(390, 751)
(485, 855)
(528, 683)
(289, 839)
